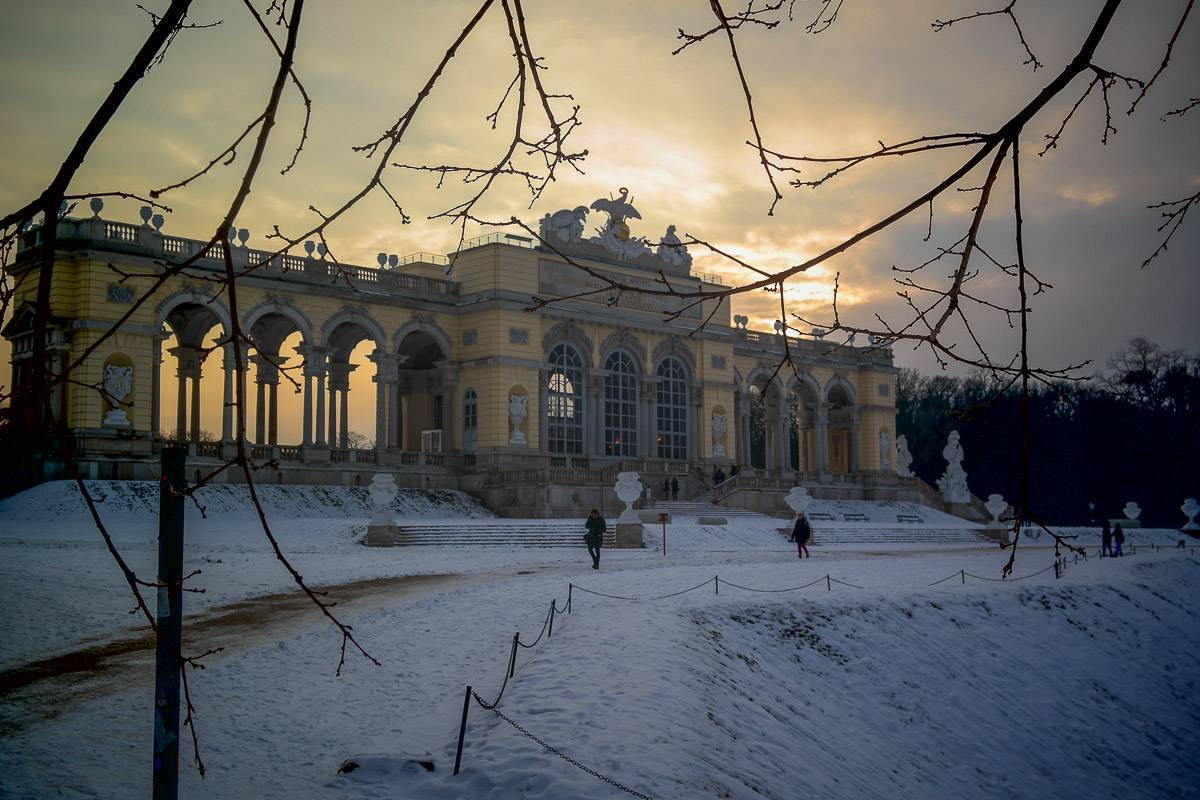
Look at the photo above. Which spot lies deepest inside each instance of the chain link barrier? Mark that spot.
(550, 748)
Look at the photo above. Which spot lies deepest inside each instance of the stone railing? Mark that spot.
(102, 234)
(291, 452)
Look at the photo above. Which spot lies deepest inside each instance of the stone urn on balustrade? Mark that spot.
(629, 525)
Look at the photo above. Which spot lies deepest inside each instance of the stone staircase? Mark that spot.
(825, 534)
(702, 506)
(498, 532)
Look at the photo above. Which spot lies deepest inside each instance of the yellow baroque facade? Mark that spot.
(535, 411)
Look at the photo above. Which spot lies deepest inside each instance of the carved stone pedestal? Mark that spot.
(629, 535)
(382, 535)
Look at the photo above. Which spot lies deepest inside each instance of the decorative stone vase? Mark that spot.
(995, 505)
(629, 489)
(798, 499)
(383, 492)
(518, 408)
(1190, 509)
(1131, 510)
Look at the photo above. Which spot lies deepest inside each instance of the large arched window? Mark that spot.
(470, 420)
(564, 400)
(672, 410)
(620, 405)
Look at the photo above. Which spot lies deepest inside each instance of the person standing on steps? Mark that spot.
(594, 537)
(801, 533)
(1105, 540)
(1118, 540)
(674, 488)
(666, 488)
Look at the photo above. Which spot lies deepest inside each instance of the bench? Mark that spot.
(821, 515)
(855, 517)
(909, 518)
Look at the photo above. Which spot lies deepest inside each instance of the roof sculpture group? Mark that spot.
(565, 227)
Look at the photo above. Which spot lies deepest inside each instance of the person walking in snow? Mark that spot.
(1118, 540)
(1105, 540)
(594, 537)
(674, 488)
(801, 533)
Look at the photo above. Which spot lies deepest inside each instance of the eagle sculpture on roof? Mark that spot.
(618, 210)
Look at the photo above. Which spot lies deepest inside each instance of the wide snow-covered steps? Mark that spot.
(898, 534)
(699, 508)
(497, 532)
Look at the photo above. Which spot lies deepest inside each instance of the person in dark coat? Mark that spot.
(1118, 540)
(801, 533)
(674, 488)
(733, 471)
(594, 537)
(666, 488)
(1105, 540)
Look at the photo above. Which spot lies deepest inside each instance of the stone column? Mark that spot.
(195, 408)
(229, 367)
(543, 414)
(853, 442)
(156, 360)
(273, 426)
(593, 416)
(785, 436)
(333, 415)
(395, 416)
(380, 414)
(822, 433)
(181, 405)
(649, 423)
(260, 408)
(344, 428)
(450, 410)
(320, 418)
(306, 439)
(696, 422)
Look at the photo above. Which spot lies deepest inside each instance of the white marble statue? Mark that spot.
(798, 499)
(672, 250)
(518, 408)
(996, 504)
(614, 237)
(953, 483)
(1190, 509)
(118, 382)
(903, 457)
(885, 451)
(383, 492)
(628, 489)
(563, 226)
(718, 428)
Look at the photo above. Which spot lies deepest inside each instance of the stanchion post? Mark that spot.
(963, 573)
(570, 591)
(828, 583)
(462, 730)
(170, 623)
(512, 658)
(716, 584)
(550, 632)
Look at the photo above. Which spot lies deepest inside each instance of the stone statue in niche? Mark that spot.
(904, 458)
(672, 250)
(118, 382)
(718, 428)
(518, 408)
(885, 450)
(953, 483)
(563, 226)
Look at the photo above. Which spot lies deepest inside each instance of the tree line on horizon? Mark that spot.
(1129, 433)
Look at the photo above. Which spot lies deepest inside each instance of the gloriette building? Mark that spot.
(534, 412)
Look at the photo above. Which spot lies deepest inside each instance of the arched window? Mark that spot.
(672, 410)
(564, 400)
(470, 420)
(620, 405)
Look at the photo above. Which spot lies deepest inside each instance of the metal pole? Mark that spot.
(963, 572)
(462, 730)
(550, 632)
(169, 623)
(717, 584)
(570, 589)
(512, 658)
(828, 584)
(664, 540)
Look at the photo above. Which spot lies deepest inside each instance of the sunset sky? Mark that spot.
(672, 129)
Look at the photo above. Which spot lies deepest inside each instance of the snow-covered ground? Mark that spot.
(1042, 687)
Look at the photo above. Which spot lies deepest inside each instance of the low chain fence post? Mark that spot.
(512, 659)
(828, 583)
(462, 730)
(550, 632)
(963, 574)
(716, 584)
